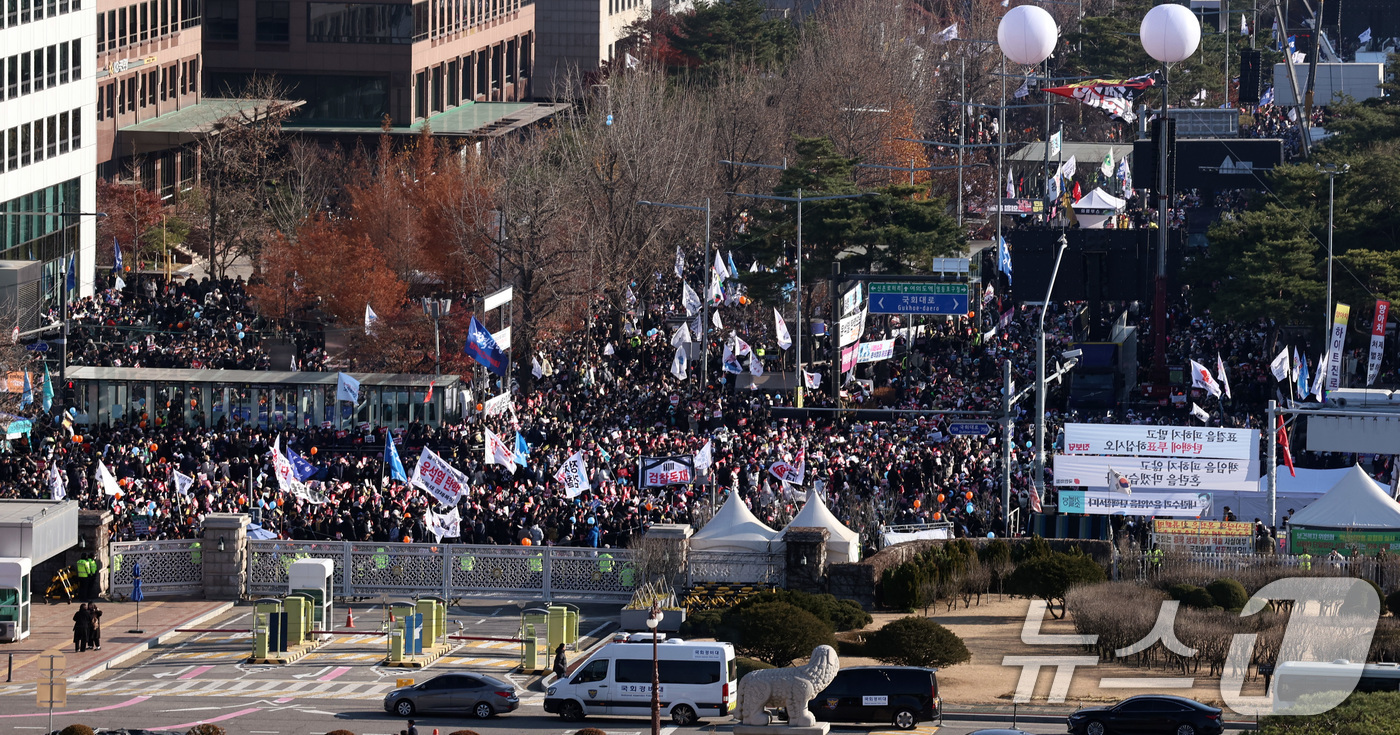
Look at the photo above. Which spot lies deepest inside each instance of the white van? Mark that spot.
(697, 680)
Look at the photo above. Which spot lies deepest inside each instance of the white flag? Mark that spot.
(813, 380)
(182, 482)
(784, 337)
(680, 263)
(1280, 366)
(1201, 378)
(1224, 379)
(1106, 168)
(536, 369)
(741, 347)
(346, 388)
(497, 452)
(58, 489)
(705, 458)
(755, 367)
(107, 480)
(119, 284)
(1320, 380)
(681, 336)
(715, 320)
(753, 267)
(370, 319)
(608, 350)
(573, 475)
(1067, 170)
(1118, 483)
(678, 364)
(632, 62)
(948, 34)
(1200, 413)
(1365, 36)
(690, 300)
(445, 525)
(720, 269)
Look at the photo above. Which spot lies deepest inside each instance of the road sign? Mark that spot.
(969, 429)
(37, 347)
(947, 299)
(53, 693)
(52, 664)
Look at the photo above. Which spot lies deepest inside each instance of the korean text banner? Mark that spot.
(1158, 473)
(663, 471)
(1105, 503)
(1161, 441)
(443, 481)
(1209, 537)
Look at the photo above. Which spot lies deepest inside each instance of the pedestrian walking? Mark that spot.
(82, 629)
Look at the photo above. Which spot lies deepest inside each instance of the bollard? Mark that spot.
(10, 672)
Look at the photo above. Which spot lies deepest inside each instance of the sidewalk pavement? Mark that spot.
(52, 632)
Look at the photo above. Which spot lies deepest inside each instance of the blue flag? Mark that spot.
(391, 458)
(72, 273)
(48, 389)
(27, 397)
(733, 272)
(522, 450)
(1304, 385)
(483, 348)
(300, 467)
(116, 255)
(1004, 258)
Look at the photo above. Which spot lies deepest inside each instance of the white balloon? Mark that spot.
(1027, 34)
(1170, 33)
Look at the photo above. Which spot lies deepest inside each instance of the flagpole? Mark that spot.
(1273, 464)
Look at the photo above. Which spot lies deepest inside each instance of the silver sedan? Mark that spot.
(478, 694)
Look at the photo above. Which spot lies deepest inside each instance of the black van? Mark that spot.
(903, 696)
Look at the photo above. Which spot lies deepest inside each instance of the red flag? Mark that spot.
(429, 398)
(1078, 193)
(1035, 502)
(1287, 453)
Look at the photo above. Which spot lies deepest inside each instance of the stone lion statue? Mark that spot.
(791, 688)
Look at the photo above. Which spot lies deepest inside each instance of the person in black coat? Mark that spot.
(82, 628)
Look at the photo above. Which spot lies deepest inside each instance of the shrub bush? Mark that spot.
(1228, 593)
(915, 641)
(836, 613)
(1050, 577)
(1180, 590)
(76, 730)
(590, 731)
(1360, 714)
(702, 623)
(778, 632)
(744, 664)
(1392, 603)
(206, 729)
(1199, 599)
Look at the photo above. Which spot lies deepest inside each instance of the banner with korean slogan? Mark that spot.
(443, 481)
(1335, 346)
(497, 405)
(875, 351)
(1107, 503)
(1158, 473)
(1161, 441)
(662, 471)
(573, 475)
(1206, 537)
(1373, 365)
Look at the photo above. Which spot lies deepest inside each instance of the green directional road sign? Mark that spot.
(946, 299)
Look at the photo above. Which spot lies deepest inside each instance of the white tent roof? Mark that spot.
(1099, 199)
(815, 514)
(734, 528)
(1356, 501)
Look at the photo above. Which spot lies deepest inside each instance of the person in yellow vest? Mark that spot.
(1305, 561)
(467, 562)
(1154, 560)
(196, 553)
(627, 575)
(84, 572)
(605, 563)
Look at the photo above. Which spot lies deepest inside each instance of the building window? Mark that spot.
(63, 131)
(38, 70)
(26, 85)
(221, 20)
(26, 145)
(25, 13)
(141, 92)
(111, 94)
(191, 13)
(101, 34)
(77, 128)
(101, 104)
(51, 67)
(420, 94)
(122, 39)
(77, 59)
(63, 62)
(39, 140)
(164, 17)
(12, 12)
(145, 22)
(274, 21)
(359, 23)
(53, 135)
(14, 149)
(112, 37)
(12, 77)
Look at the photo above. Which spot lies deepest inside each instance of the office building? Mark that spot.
(47, 142)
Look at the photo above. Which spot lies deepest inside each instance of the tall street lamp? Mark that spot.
(705, 303)
(1331, 171)
(1040, 388)
(1027, 35)
(437, 309)
(653, 620)
(797, 293)
(1169, 33)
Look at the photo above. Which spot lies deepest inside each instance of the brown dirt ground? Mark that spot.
(992, 630)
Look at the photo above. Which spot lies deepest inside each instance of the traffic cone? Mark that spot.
(391, 615)
(349, 617)
(435, 732)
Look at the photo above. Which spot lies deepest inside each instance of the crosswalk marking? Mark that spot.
(224, 688)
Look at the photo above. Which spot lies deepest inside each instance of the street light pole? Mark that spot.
(1040, 374)
(436, 309)
(654, 620)
(705, 303)
(1331, 171)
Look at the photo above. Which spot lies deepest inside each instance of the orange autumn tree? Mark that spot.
(897, 146)
(337, 271)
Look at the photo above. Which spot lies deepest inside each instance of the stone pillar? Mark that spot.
(662, 554)
(806, 558)
(94, 537)
(225, 572)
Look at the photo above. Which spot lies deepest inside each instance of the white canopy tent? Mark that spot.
(843, 544)
(735, 528)
(1294, 493)
(1356, 502)
(1094, 209)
